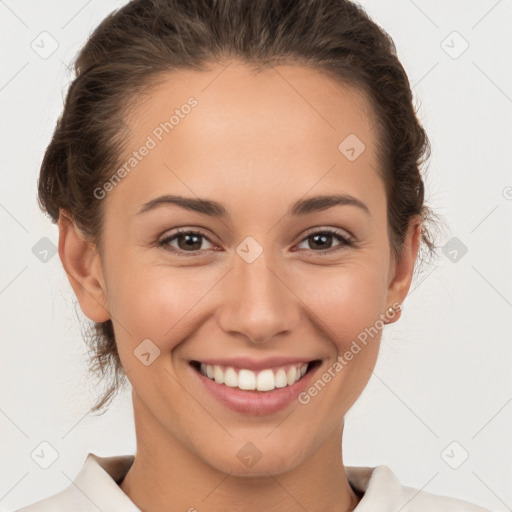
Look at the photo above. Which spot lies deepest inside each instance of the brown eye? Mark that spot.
(185, 241)
(322, 241)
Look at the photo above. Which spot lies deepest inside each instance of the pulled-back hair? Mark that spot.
(136, 47)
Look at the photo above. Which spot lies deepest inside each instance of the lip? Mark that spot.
(257, 403)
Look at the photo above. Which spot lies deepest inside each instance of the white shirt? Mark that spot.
(96, 488)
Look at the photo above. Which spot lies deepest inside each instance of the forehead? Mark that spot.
(284, 130)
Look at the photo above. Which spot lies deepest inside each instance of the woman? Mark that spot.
(239, 200)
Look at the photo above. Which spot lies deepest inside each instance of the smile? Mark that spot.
(265, 380)
(255, 387)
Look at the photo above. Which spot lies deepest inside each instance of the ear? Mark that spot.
(82, 264)
(401, 268)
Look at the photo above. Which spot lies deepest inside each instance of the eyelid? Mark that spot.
(165, 240)
(335, 231)
(345, 239)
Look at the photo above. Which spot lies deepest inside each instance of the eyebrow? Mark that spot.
(215, 209)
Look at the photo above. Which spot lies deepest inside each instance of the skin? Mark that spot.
(255, 143)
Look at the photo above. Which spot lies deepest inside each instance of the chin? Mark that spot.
(251, 462)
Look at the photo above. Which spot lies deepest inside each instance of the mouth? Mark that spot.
(261, 381)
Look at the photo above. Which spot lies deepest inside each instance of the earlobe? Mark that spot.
(83, 267)
(403, 267)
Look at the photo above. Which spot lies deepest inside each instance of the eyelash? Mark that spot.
(344, 242)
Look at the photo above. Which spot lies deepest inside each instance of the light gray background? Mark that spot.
(444, 370)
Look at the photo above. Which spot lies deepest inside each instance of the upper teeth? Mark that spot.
(265, 380)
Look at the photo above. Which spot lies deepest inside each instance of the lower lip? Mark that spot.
(254, 402)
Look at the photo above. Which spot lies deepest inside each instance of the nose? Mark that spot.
(258, 301)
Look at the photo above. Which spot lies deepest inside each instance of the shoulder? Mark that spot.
(419, 500)
(63, 500)
(383, 492)
(94, 488)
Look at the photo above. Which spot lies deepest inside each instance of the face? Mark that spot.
(264, 278)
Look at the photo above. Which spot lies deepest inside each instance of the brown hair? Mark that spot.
(134, 47)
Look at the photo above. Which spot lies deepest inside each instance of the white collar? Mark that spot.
(96, 487)
(104, 490)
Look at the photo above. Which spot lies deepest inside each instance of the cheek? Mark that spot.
(344, 300)
(159, 302)
(344, 304)
(165, 304)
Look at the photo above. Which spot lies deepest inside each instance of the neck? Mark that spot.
(166, 476)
